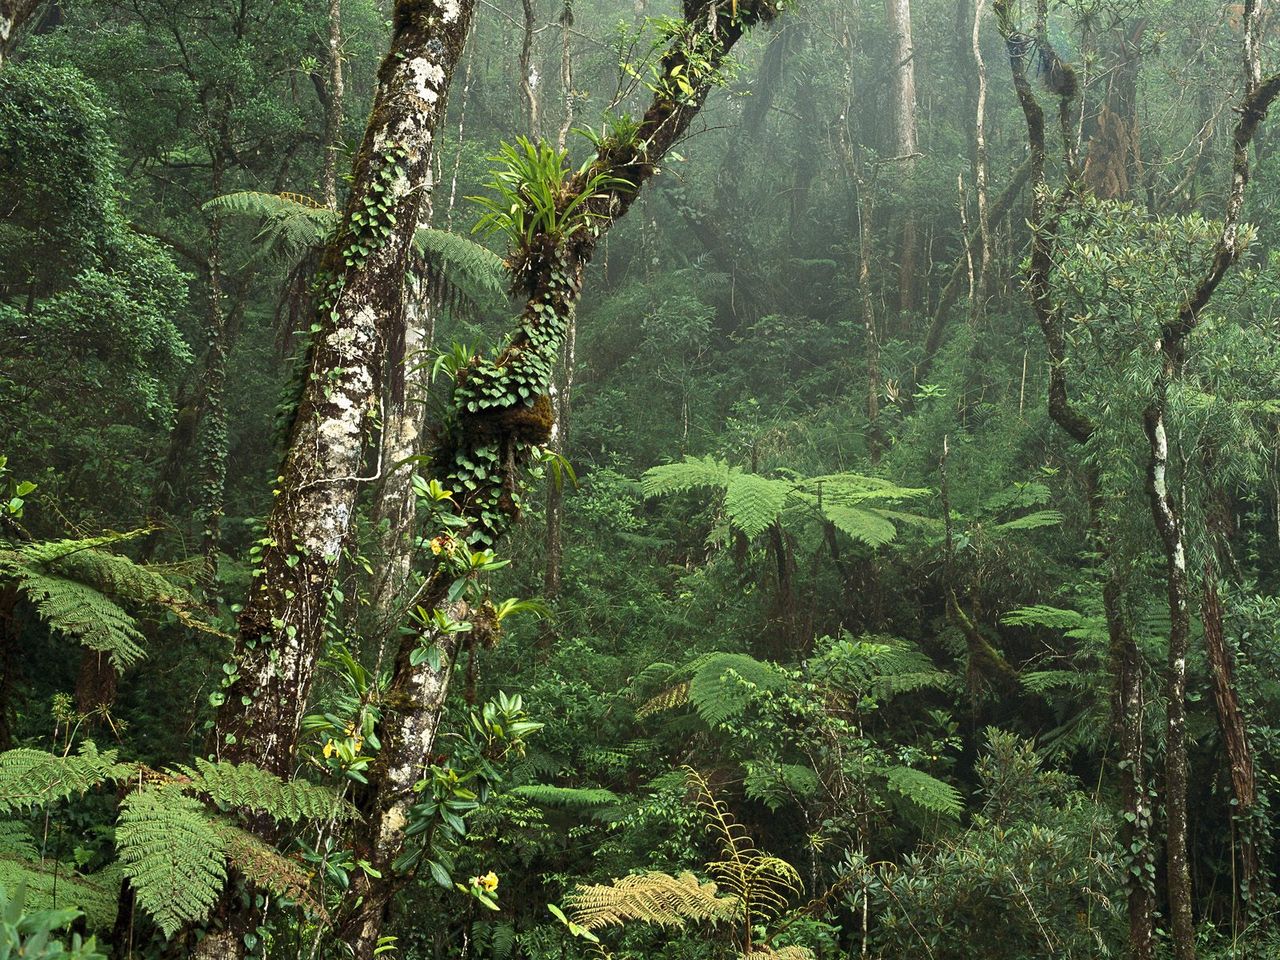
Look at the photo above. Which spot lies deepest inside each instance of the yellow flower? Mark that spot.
(329, 747)
(489, 881)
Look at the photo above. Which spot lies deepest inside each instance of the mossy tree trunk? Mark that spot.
(501, 415)
(281, 628)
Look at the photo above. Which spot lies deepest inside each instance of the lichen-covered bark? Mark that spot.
(282, 622)
(501, 434)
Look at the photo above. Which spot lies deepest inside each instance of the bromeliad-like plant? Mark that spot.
(536, 198)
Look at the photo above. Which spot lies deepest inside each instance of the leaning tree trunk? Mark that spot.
(281, 629)
(502, 414)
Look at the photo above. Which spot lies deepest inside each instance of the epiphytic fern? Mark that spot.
(173, 855)
(31, 778)
(232, 785)
(83, 591)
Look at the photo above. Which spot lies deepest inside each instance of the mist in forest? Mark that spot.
(718, 480)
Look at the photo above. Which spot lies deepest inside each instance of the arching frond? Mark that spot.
(657, 898)
(244, 785)
(925, 791)
(33, 778)
(691, 473)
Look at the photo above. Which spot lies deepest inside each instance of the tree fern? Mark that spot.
(588, 800)
(691, 473)
(233, 785)
(722, 684)
(33, 778)
(83, 591)
(753, 503)
(55, 886)
(460, 273)
(925, 791)
(172, 854)
(1043, 615)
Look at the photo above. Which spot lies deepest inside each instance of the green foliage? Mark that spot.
(84, 592)
(172, 854)
(34, 778)
(34, 935)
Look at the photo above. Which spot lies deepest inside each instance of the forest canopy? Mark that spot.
(718, 480)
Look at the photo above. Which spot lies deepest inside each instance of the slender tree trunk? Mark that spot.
(566, 73)
(333, 108)
(560, 402)
(211, 439)
(528, 70)
(980, 168)
(1129, 708)
(905, 135)
(1164, 509)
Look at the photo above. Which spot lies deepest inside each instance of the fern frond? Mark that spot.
(865, 526)
(668, 699)
(265, 867)
(469, 266)
(722, 684)
(55, 886)
(752, 502)
(691, 473)
(1030, 521)
(925, 791)
(292, 224)
(773, 784)
(782, 953)
(172, 854)
(569, 798)
(657, 898)
(232, 785)
(31, 778)
(1042, 615)
(855, 488)
(1042, 681)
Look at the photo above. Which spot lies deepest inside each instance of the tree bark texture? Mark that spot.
(905, 133)
(282, 625)
(333, 107)
(505, 431)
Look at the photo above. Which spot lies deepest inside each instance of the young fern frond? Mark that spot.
(764, 885)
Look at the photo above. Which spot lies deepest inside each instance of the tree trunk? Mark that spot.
(905, 135)
(1235, 740)
(980, 168)
(561, 396)
(507, 429)
(1164, 509)
(282, 626)
(211, 455)
(529, 71)
(14, 15)
(333, 108)
(1129, 706)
